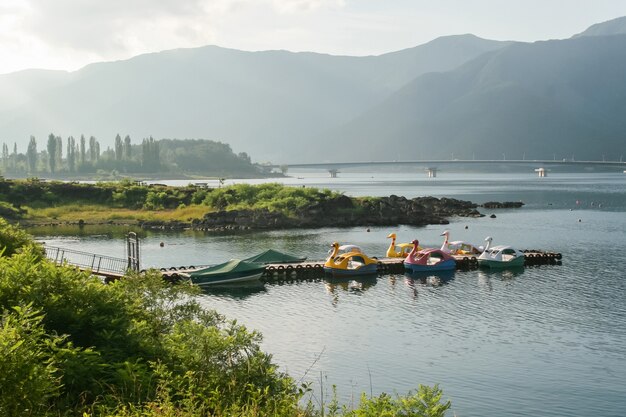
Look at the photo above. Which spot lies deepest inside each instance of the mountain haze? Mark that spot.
(545, 99)
(264, 103)
(457, 96)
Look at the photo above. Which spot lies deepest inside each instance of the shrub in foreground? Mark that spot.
(71, 345)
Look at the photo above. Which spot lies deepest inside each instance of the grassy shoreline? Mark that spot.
(236, 207)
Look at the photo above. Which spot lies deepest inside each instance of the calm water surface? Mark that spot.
(546, 340)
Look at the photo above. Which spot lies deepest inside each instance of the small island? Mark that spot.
(236, 207)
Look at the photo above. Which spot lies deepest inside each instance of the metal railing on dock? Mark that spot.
(98, 264)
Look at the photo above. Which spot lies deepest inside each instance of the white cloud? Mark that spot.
(293, 6)
(71, 33)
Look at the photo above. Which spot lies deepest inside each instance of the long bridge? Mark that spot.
(541, 166)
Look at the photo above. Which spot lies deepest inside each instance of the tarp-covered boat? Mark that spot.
(234, 270)
(272, 256)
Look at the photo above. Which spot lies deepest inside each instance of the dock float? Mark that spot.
(386, 266)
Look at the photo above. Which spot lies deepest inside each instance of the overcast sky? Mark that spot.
(68, 34)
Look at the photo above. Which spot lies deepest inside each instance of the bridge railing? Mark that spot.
(85, 260)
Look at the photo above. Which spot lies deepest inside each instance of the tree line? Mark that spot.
(84, 156)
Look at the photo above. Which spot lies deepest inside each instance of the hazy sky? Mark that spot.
(68, 34)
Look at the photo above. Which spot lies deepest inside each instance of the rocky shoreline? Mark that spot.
(340, 212)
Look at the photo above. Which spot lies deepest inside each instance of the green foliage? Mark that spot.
(122, 194)
(14, 240)
(151, 156)
(274, 197)
(139, 347)
(137, 336)
(155, 200)
(28, 367)
(129, 195)
(7, 210)
(426, 402)
(198, 155)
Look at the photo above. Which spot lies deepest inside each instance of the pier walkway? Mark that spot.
(102, 265)
(112, 268)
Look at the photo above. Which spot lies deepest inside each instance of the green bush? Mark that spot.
(426, 402)
(28, 368)
(14, 239)
(155, 200)
(139, 347)
(138, 335)
(7, 210)
(273, 197)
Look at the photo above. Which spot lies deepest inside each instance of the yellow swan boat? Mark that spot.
(399, 251)
(349, 263)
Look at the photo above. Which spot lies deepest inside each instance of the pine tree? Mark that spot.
(119, 148)
(82, 149)
(31, 155)
(14, 158)
(52, 152)
(150, 155)
(5, 157)
(59, 153)
(71, 155)
(92, 150)
(127, 148)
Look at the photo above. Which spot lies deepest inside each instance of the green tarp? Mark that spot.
(231, 267)
(272, 256)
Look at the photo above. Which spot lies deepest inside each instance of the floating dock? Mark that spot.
(314, 269)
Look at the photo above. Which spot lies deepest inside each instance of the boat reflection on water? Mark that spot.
(503, 274)
(430, 278)
(235, 291)
(352, 285)
(486, 275)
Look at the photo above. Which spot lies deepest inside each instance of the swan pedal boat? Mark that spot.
(459, 247)
(500, 256)
(349, 260)
(400, 250)
(428, 260)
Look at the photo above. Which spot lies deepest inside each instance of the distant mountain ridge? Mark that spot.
(609, 28)
(559, 99)
(263, 103)
(458, 96)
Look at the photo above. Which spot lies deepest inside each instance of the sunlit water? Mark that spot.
(547, 340)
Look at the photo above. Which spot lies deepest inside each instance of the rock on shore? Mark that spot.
(344, 211)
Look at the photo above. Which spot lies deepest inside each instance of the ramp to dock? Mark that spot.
(103, 265)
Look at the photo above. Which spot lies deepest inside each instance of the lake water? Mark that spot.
(546, 340)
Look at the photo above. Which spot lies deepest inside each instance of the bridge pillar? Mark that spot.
(432, 172)
(542, 172)
(333, 173)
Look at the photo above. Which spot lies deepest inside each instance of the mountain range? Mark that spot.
(454, 97)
